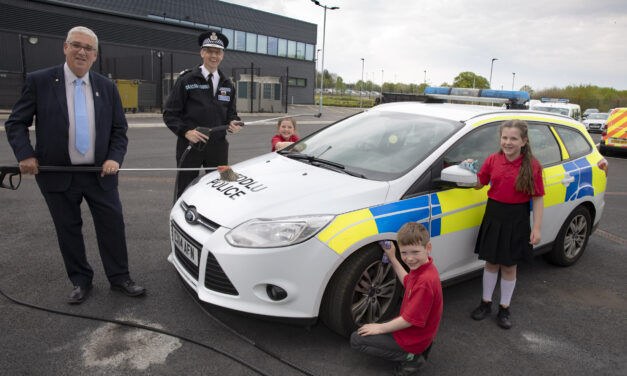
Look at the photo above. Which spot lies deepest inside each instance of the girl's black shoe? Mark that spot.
(484, 309)
(502, 318)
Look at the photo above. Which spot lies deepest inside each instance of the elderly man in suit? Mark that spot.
(79, 122)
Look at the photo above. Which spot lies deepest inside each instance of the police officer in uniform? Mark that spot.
(202, 97)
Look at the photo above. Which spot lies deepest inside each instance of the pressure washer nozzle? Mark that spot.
(227, 173)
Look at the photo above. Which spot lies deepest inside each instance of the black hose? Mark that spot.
(176, 180)
(137, 326)
(248, 340)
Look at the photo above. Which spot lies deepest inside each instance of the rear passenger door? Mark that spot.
(568, 182)
(546, 149)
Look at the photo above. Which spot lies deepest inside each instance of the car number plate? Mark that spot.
(186, 248)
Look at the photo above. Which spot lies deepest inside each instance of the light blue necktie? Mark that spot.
(80, 118)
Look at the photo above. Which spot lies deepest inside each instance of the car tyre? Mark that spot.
(362, 290)
(572, 239)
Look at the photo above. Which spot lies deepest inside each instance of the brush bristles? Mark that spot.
(227, 174)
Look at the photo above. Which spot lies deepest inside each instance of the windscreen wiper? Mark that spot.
(319, 162)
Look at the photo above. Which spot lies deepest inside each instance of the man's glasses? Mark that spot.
(77, 47)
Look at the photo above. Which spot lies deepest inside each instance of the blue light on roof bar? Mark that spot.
(517, 97)
(438, 90)
(562, 100)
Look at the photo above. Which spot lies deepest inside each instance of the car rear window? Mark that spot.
(575, 143)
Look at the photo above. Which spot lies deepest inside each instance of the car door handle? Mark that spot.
(568, 179)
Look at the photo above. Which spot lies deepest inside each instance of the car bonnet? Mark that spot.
(273, 186)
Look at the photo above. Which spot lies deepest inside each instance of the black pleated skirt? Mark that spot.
(504, 234)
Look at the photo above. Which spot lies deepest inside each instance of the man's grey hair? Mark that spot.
(82, 30)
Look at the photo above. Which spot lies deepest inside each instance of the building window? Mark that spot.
(240, 40)
(254, 90)
(309, 52)
(251, 42)
(298, 82)
(277, 92)
(282, 47)
(291, 49)
(242, 89)
(228, 33)
(300, 50)
(273, 46)
(267, 91)
(262, 44)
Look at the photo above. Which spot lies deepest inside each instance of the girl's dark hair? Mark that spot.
(524, 181)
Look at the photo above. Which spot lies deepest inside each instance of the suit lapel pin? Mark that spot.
(97, 94)
(56, 80)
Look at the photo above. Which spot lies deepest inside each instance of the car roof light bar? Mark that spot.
(515, 98)
(554, 100)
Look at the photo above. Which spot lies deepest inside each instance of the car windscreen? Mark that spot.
(376, 145)
(555, 110)
(598, 116)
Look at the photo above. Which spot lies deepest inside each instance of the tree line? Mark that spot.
(587, 96)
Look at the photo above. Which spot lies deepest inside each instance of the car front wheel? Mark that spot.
(572, 238)
(363, 290)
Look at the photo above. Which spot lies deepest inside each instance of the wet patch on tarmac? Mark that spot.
(113, 346)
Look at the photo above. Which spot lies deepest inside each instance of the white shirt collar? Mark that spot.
(205, 73)
(70, 77)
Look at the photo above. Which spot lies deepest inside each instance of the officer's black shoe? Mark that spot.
(502, 318)
(411, 366)
(484, 309)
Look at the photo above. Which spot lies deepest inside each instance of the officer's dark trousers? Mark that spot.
(106, 210)
(213, 155)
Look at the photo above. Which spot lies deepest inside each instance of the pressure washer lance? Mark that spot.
(226, 173)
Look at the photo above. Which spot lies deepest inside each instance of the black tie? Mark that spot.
(210, 79)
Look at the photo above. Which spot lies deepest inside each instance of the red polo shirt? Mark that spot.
(501, 174)
(278, 138)
(422, 307)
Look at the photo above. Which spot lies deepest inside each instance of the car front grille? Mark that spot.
(216, 279)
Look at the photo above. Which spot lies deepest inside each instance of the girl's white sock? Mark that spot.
(507, 289)
(489, 282)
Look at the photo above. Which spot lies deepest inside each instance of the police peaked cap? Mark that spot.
(213, 38)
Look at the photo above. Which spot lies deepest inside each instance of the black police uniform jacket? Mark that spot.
(192, 104)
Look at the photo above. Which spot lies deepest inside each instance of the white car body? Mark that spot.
(356, 212)
(595, 121)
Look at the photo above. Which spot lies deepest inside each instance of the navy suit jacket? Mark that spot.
(43, 97)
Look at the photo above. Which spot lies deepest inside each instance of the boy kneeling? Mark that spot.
(407, 338)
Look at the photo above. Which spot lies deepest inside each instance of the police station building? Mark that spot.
(144, 44)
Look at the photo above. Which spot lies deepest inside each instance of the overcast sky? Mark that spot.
(546, 43)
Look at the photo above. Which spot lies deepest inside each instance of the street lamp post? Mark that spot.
(361, 89)
(491, 65)
(513, 77)
(324, 27)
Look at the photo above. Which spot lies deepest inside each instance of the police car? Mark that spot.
(296, 236)
(559, 106)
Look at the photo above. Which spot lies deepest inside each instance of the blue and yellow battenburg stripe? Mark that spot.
(348, 229)
(455, 209)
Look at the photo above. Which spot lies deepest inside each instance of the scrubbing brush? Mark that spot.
(227, 173)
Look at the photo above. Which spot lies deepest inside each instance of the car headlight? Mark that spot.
(279, 232)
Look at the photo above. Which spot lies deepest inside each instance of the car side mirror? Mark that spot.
(455, 176)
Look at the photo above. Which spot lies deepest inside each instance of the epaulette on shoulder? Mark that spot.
(185, 71)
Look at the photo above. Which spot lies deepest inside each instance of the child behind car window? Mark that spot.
(286, 136)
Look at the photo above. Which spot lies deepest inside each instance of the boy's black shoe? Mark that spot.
(484, 309)
(502, 318)
(411, 367)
